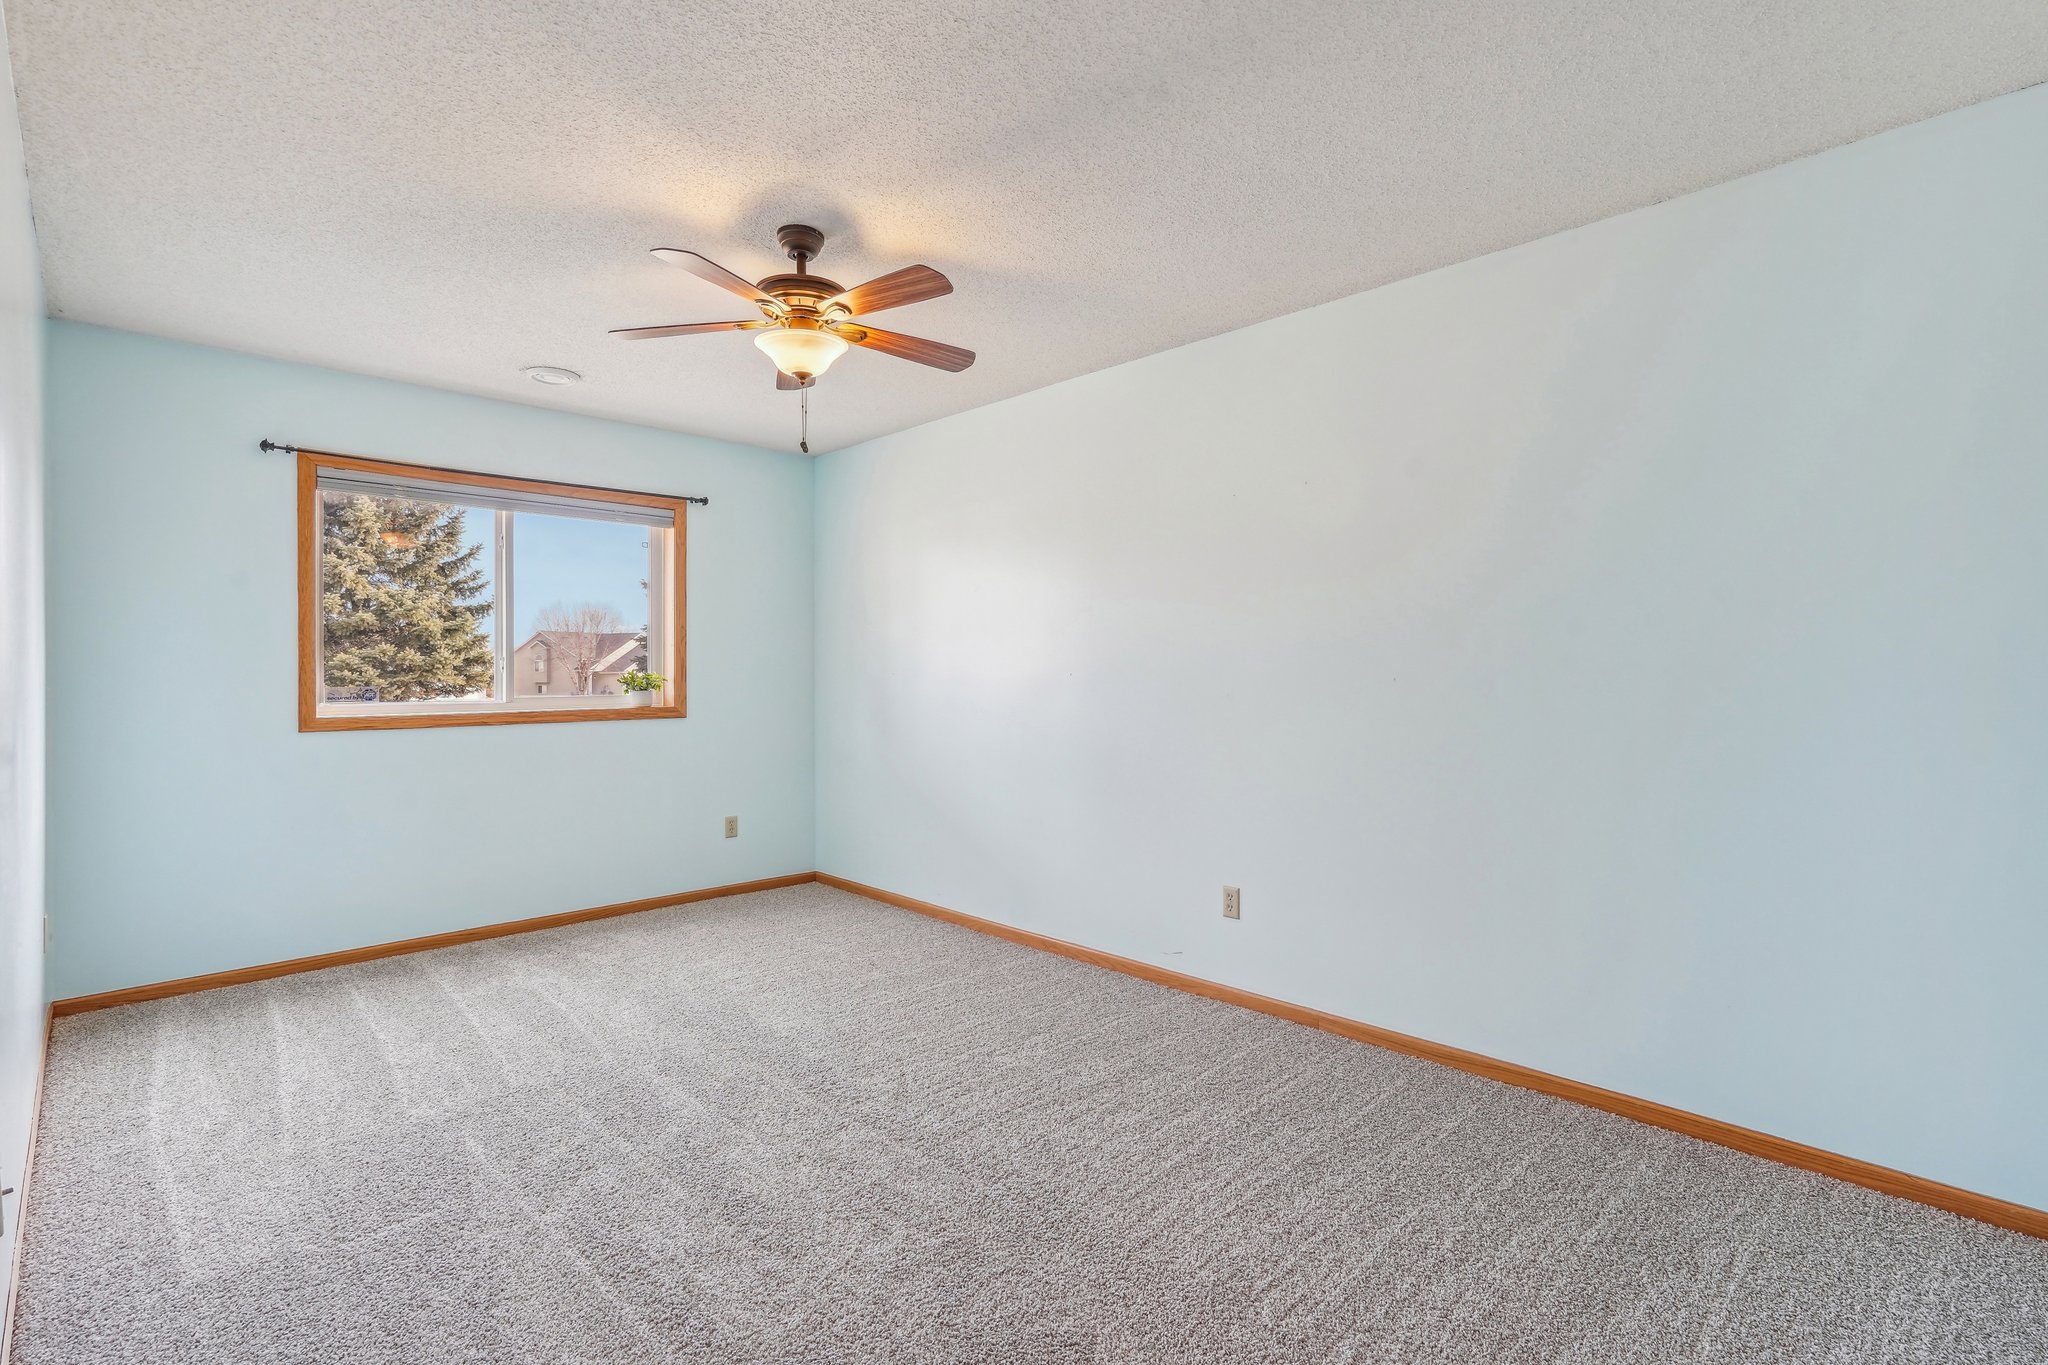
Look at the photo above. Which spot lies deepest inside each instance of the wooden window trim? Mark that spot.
(311, 462)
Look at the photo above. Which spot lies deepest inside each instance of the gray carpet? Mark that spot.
(799, 1126)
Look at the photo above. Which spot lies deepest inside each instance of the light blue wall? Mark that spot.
(1622, 655)
(21, 665)
(1626, 655)
(193, 828)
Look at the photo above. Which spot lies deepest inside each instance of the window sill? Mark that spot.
(429, 720)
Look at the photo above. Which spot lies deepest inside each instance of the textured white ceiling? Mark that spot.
(445, 190)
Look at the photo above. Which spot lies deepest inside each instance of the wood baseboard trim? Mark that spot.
(135, 995)
(1982, 1207)
(1968, 1203)
(20, 1210)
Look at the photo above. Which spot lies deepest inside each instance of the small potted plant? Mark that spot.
(642, 688)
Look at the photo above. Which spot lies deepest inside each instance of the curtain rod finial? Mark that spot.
(266, 445)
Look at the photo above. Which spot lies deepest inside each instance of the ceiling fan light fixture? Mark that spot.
(801, 352)
(808, 321)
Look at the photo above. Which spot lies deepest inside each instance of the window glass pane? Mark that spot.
(581, 604)
(406, 600)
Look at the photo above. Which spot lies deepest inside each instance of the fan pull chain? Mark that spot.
(804, 402)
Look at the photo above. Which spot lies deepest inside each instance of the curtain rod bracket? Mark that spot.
(266, 445)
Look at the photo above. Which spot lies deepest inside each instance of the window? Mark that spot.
(431, 597)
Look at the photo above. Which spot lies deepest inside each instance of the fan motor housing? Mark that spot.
(800, 290)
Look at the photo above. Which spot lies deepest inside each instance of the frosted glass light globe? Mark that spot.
(801, 352)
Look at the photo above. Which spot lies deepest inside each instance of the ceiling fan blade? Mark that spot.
(934, 353)
(717, 274)
(911, 284)
(790, 382)
(683, 329)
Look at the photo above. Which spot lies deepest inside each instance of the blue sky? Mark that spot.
(571, 560)
(567, 560)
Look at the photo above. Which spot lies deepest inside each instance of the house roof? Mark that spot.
(618, 659)
(610, 645)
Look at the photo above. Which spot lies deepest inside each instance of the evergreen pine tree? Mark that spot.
(400, 594)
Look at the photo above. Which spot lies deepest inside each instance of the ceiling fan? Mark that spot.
(807, 321)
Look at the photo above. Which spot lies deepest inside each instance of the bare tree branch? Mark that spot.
(575, 637)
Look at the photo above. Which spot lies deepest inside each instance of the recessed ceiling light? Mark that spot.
(551, 374)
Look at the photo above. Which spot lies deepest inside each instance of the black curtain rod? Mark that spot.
(266, 445)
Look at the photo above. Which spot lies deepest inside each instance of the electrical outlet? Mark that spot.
(1230, 905)
(732, 827)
